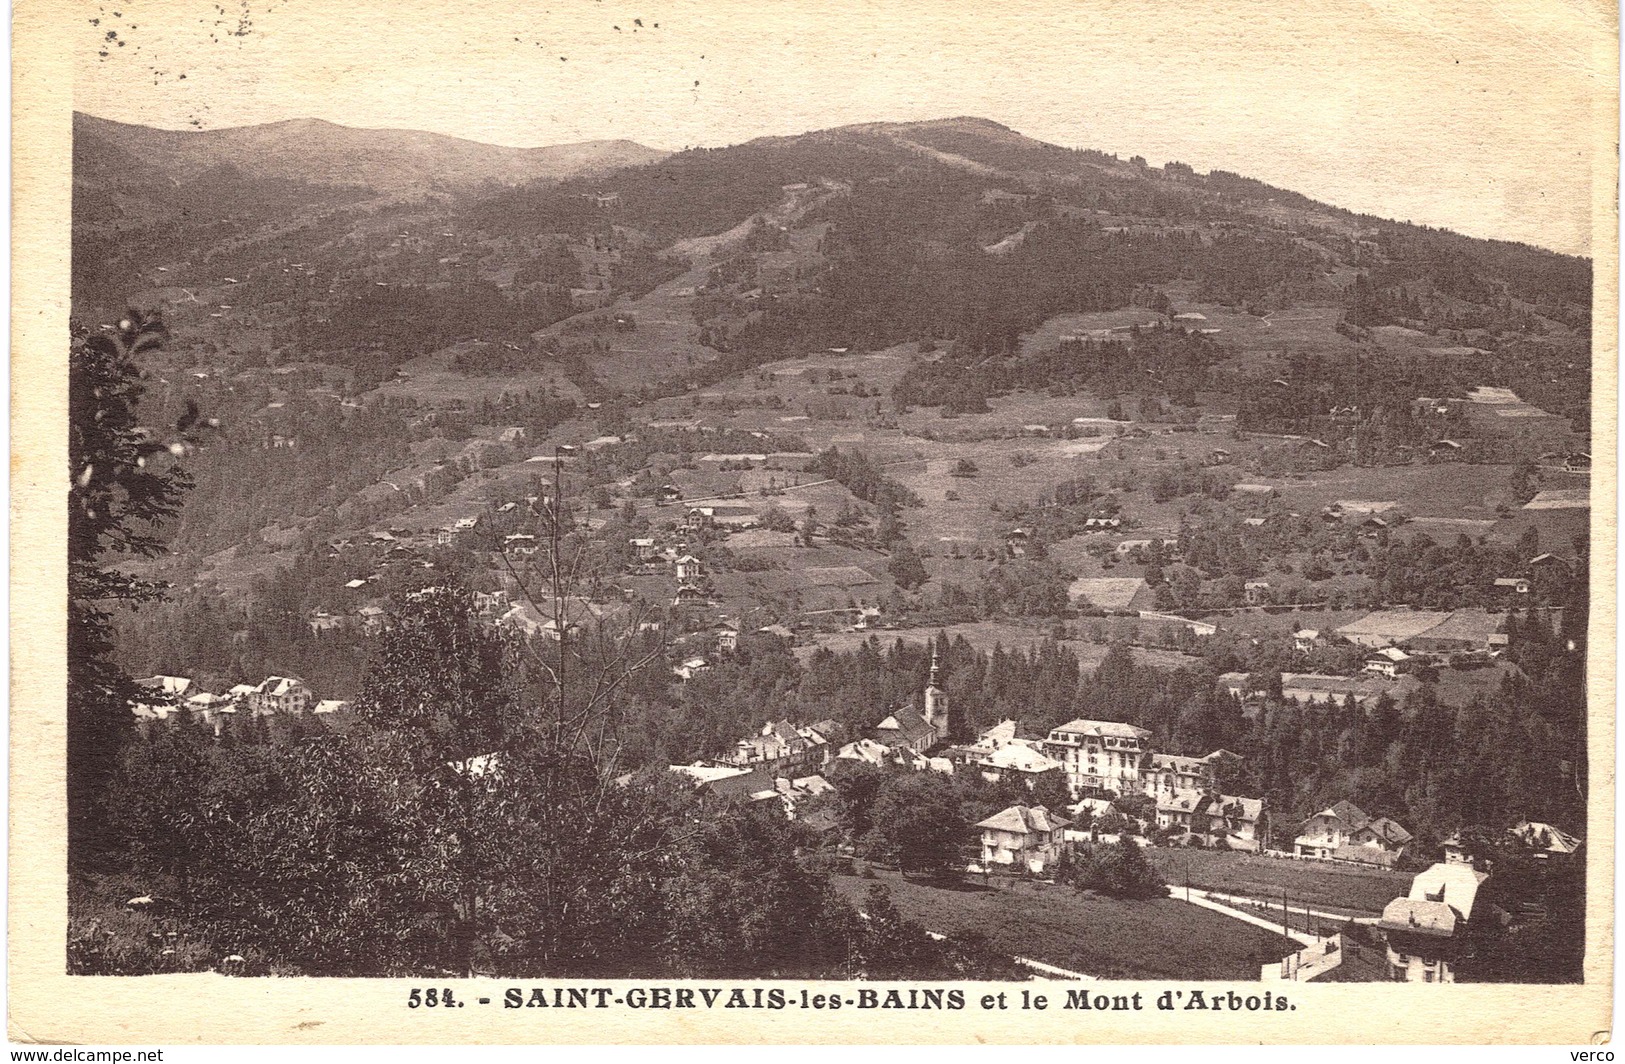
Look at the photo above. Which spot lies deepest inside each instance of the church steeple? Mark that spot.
(936, 700)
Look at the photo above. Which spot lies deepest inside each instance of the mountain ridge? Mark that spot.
(327, 153)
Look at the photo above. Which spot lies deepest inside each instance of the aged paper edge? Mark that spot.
(48, 1006)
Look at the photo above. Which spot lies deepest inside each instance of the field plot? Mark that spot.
(1094, 326)
(1319, 884)
(1281, 622)
(985, 635)
(1446, 490)
(665, 340)
(430, 381)
(1097, 936)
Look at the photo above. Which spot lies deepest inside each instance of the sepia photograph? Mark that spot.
(900, 497)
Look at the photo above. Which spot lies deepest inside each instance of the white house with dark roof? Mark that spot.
(1024, 838)
(998, 754)
(280, 694)
(1345, 832)
(1425, 929)
(1389, 662)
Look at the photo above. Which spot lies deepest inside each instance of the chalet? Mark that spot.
(689, 595)
(1372, 527)
(1549, 564)
(1389, 661)
(1546, 841)
(1170, 773)
(1183, 812)
(162, 697)
(213, 710)
(1169, 546)
(691, 667)
(1256, 592)
(1426, 929)
(778, 745)
(865, 617)
(793, 791)
(1329, 830)
(169, 689)
(698, 517)
(1305, 640)
(689, 569)
(280, 694)
(1383, 834)
(1578, 462)
(512, 434)
(730, 783)
(1445, 450)
(645, 547)
(1099, 756)
(519, 544)
(1513, 585)
(1243, 823)
(1345, 833)
(1015, 542)
(1022, 838)
(322, 621)
(998, 755)
(1102, 524)
(726, 636)
(338, 715)
(669, 493)
(489, 603)
(867, 751)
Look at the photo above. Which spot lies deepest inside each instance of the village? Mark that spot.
(1107, 783)
(1200, 591)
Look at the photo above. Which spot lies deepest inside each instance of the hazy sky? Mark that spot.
(1475, 116)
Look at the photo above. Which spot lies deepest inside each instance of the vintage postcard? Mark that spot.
(1067, 521)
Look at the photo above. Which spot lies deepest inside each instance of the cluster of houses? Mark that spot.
(652, 557)
(165, 699)
(1096, 762)
(1344, 832)
(1398, 642)
(1428, 929)
(765, 766)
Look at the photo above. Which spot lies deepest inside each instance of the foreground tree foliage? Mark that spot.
(1118, 870)
(452, 832)
(123, 484)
